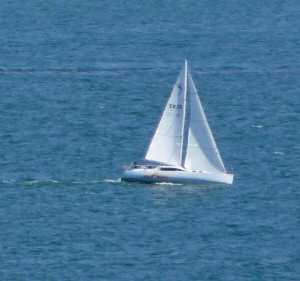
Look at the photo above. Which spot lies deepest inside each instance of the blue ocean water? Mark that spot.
(82, 87)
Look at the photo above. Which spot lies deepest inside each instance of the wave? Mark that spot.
(167, 183)
(112, 180)
(109, 71)
(54, 181)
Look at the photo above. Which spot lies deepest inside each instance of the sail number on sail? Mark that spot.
(175, 106)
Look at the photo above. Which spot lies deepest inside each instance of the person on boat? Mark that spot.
(135, 165)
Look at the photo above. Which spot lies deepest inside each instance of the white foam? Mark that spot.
(31, 182)
(54, 181)
(8, 181)
(113, 181)
(167, 183)
(257, 126)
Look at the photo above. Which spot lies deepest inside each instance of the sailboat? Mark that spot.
(183, 149)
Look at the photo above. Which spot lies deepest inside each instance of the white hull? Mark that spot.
(183, 142)
(154, 176)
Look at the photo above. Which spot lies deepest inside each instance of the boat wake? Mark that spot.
(112, 180)
(31, 182)
(167, 183)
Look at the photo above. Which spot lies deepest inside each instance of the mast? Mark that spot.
(182, 156)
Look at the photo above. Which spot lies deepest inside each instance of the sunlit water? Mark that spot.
(82, 87)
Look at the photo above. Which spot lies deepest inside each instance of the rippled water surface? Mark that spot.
(82, 87)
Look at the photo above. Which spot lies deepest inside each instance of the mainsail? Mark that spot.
(166, 144)
(183, 136)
